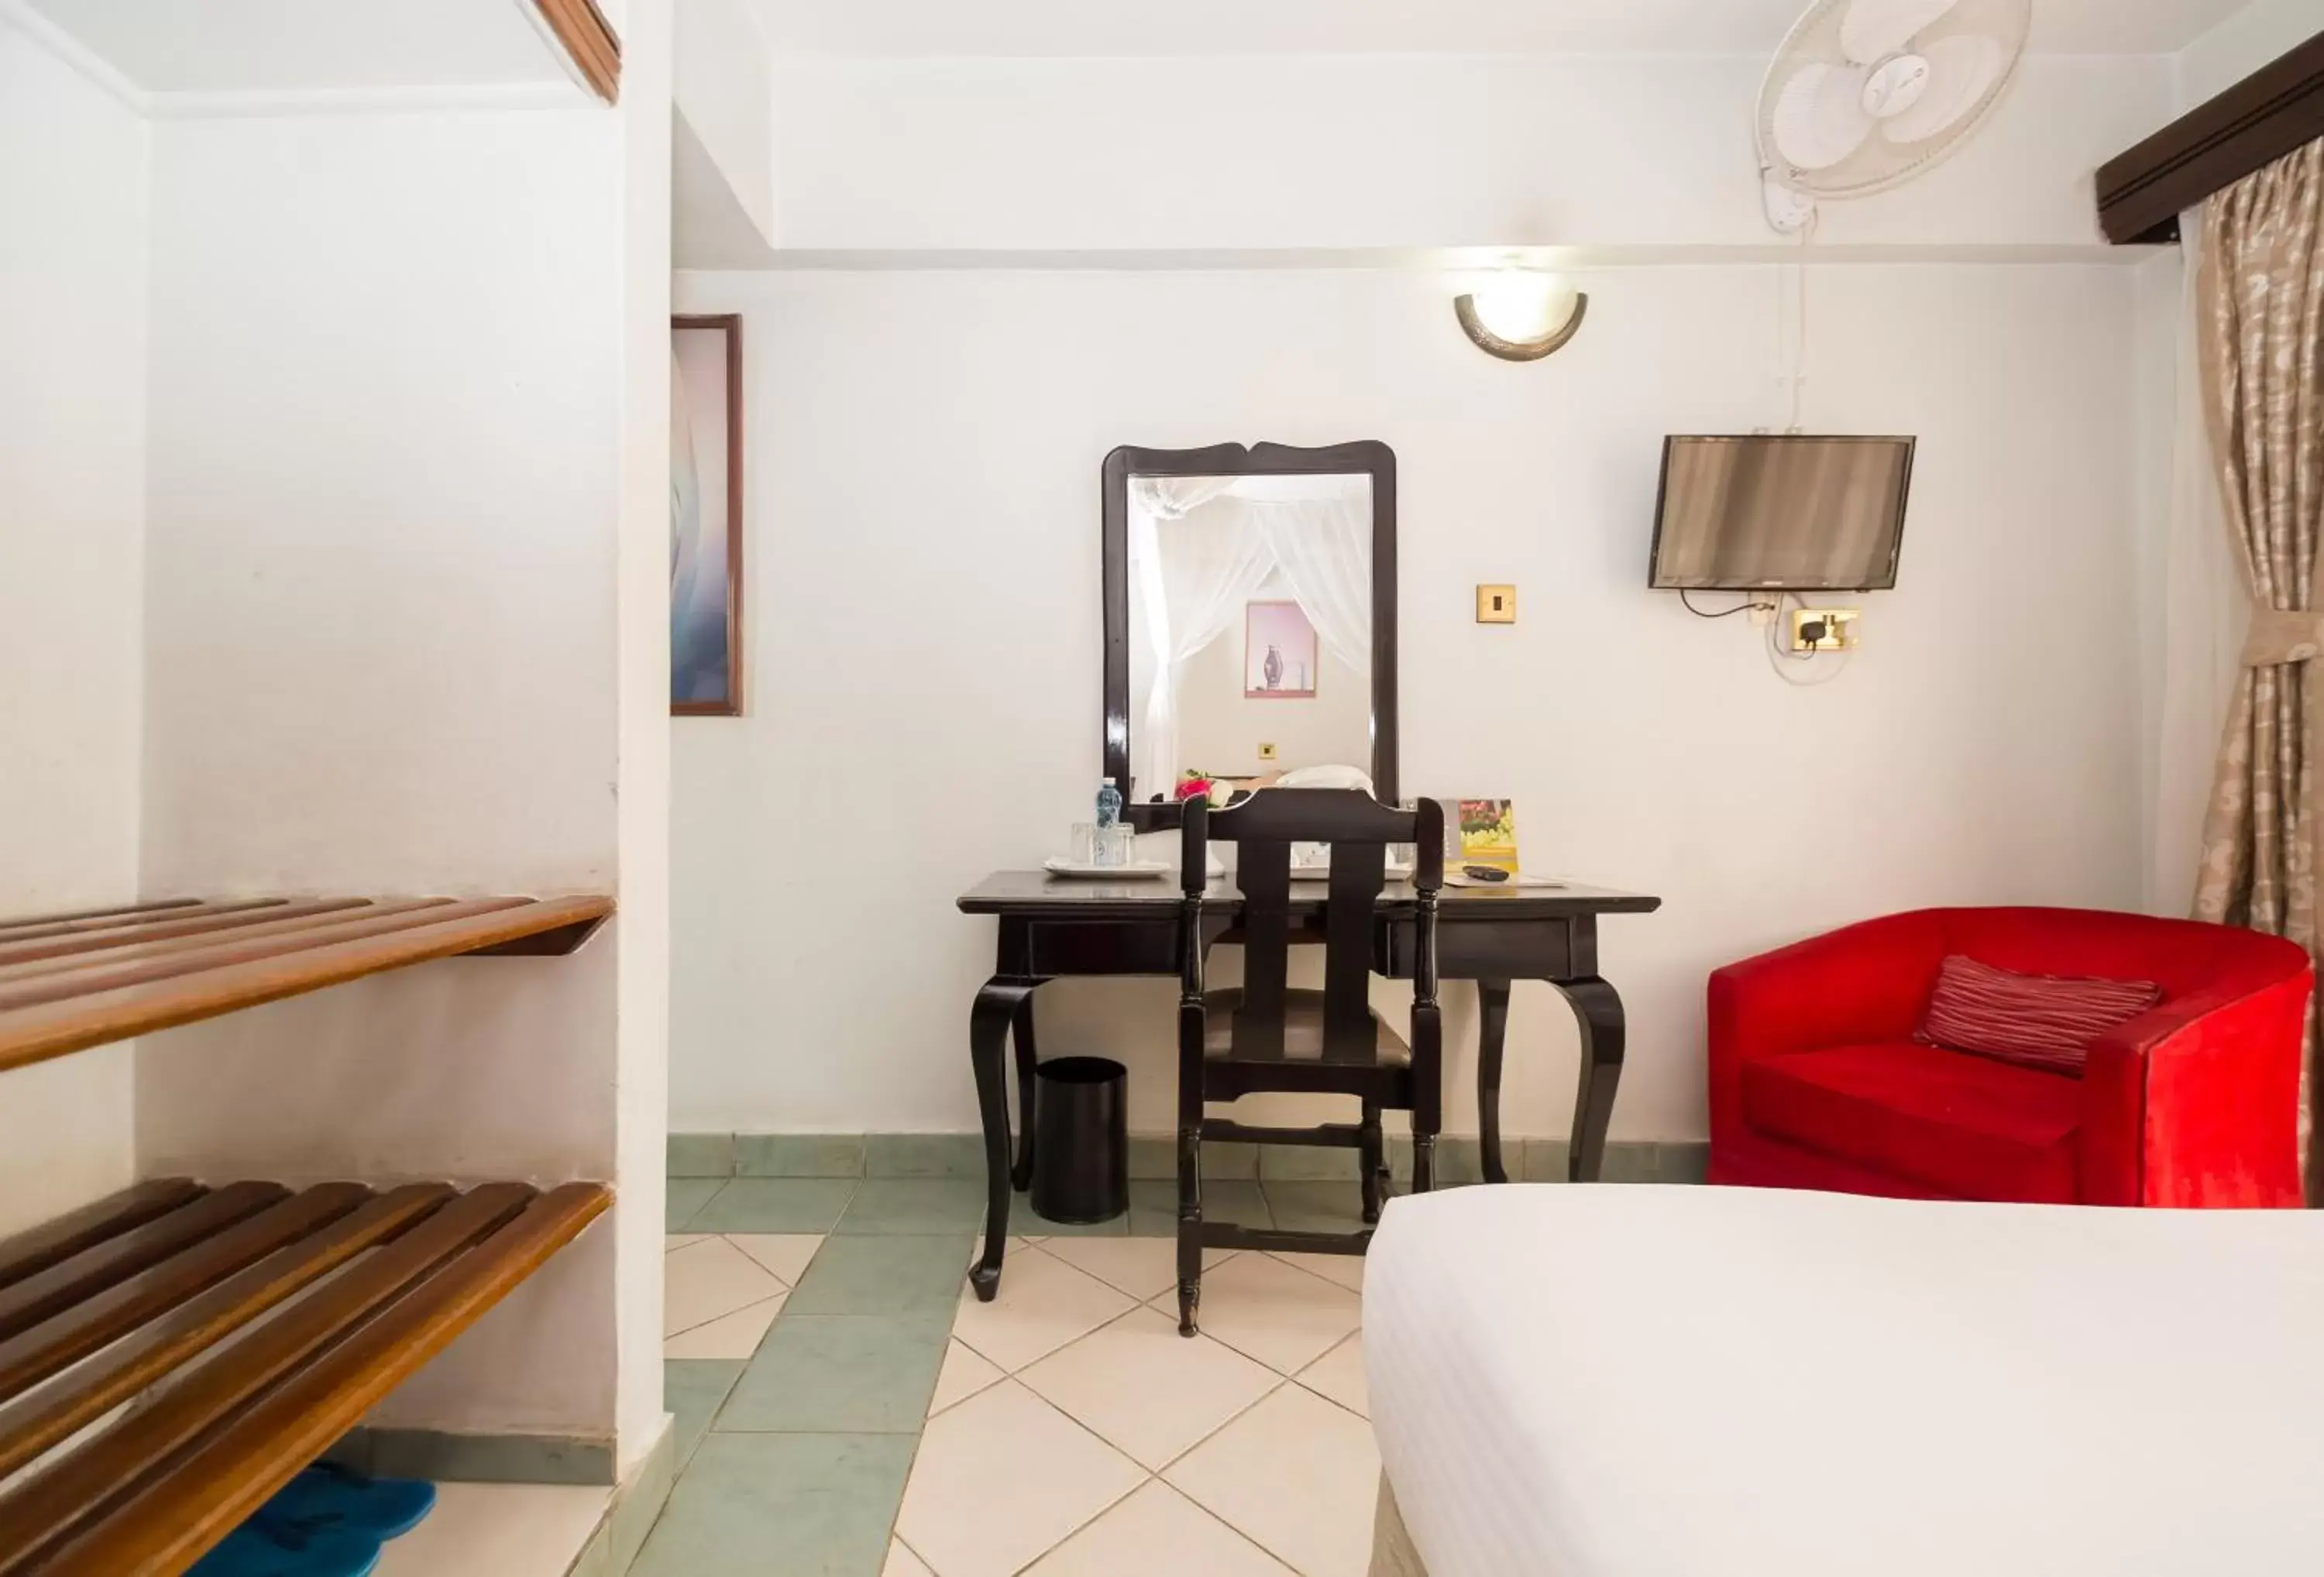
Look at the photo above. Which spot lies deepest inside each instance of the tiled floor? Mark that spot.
(498, 1530)
(845, 1408)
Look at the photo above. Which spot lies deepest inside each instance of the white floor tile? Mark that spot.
(1339, 1375)
(784, 1254)
(498, 1530)
(1273, 1312)
(1147, 1389)
(1003, 1478)
(1143, 1267)
(736, 1336)
(902, 1562)
(1157, 1532)
(1044, 1304)
(1297, 1475)
(676, 1240)
(709, 1281)
(1342, 1270)
(962, 1376)
(1016, 1246)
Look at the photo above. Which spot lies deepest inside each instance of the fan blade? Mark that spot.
(1819, 118)
(1874, 29)
(1961, 71)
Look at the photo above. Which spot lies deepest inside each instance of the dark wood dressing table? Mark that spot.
(1052, 927)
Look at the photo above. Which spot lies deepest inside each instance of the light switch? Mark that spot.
(1266, 752)
(1497, 605)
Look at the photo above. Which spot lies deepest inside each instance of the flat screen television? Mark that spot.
(1769, 512)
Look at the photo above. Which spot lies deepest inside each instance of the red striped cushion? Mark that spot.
(2041, 1020)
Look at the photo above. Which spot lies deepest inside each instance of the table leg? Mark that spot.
(1027, 1064)
(1492, 1034)
(998, 1001)
(1599, 1009)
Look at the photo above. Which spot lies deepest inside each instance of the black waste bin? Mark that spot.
(1081, 1140)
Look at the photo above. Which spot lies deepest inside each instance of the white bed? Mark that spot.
(1677, 1382)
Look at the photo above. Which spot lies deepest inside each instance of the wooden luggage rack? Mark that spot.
(107, 1304)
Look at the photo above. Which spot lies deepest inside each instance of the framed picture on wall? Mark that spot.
(705, 516)
(1278, 653)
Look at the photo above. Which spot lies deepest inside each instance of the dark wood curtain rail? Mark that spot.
(116, 1298)
(69, 984)
(2277, 109)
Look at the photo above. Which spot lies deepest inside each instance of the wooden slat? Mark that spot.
(18, 922)
(205, 1494)
(217, 953)
(48, 1029)
(59, 1342)
(30, 932)
(108, 1471)
(52, 1291)
(33, 1425)
(55, 1241)
(18, 959)
(589, 39)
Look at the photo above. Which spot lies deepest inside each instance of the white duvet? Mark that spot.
(1628, 1382)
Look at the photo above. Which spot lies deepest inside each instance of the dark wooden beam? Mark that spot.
(2277, 109)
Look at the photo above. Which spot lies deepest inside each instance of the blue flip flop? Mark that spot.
(328, 1497)
(256, 1551)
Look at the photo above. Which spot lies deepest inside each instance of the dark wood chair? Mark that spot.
(1267, 1036)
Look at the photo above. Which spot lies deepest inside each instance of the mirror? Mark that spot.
(1249, 620)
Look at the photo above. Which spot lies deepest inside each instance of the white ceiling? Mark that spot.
(259, 46)
(1228, 27)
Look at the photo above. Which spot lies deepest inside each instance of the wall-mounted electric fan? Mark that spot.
(1867, 93)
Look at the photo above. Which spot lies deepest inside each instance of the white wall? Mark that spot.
(73, 176)
(642, 693)
(2251, 37)
(389, 409)
(725, 89)
(925, 632)
(1389, 152)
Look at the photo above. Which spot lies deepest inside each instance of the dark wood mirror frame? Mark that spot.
(1369, 458)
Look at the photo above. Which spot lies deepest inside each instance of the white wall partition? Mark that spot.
(398, 440)
(72, 435)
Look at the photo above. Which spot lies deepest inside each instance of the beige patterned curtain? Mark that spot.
(2260, 297)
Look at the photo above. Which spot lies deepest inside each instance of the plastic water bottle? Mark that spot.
(1109, 804)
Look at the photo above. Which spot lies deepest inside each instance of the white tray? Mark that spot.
(1138, 871)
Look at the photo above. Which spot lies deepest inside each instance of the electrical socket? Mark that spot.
(1817, 630)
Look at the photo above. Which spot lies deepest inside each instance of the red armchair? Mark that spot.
(1816, 1081)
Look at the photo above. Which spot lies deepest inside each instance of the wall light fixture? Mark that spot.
(1521, 313)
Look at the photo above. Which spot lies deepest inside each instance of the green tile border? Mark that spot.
(782, 1503)
(839, 1374)
(775, 1204)
(701, 1155)
(637, 1502)
(445, 1457)
(796, 1155)
(1458, 1159)
(924, 1155)
(1153, 1157)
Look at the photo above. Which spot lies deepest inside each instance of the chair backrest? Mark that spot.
(1359, 829)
